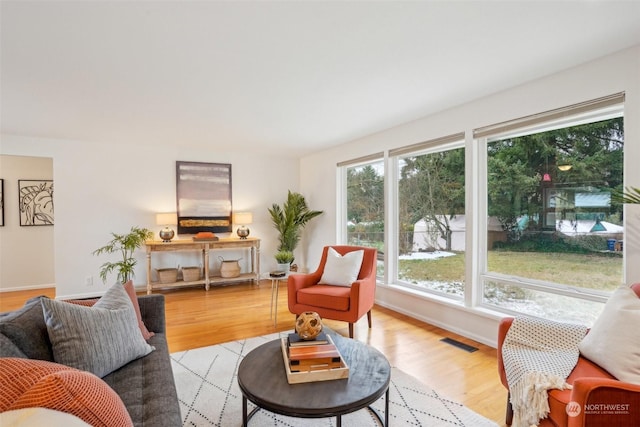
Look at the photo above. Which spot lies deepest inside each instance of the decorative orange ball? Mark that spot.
(308, 325)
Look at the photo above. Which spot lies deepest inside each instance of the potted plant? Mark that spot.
(284, 260)
(290, 219)
(630, 195)
(125, 244)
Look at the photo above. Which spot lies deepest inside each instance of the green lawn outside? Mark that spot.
(586, 271)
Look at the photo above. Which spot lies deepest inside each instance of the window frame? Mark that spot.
(342, 232)
(578, 114)
(451, 142)
(474, 140)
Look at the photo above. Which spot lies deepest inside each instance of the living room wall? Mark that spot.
(26, 253)
(104, 188)
(612, 74)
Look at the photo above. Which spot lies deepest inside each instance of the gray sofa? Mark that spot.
(145, 385)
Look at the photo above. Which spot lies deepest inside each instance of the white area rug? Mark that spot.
(209, 395)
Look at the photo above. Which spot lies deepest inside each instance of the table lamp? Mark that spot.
(243, 219)
(166, 219)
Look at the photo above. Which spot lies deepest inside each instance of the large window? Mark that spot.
(519, 218)
(554, 235)
(365, 208)
(431, 217)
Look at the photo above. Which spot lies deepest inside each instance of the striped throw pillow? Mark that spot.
(98, 339)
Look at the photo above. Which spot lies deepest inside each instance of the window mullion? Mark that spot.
(475, 211)
(391, 218)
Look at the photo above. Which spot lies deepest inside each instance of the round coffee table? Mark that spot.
(263, 381)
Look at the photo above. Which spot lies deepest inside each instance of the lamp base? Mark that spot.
(166, 234)
(243, 232)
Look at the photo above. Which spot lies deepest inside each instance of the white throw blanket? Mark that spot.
(538, 355)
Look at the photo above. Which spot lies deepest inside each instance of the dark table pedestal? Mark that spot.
(263, 381)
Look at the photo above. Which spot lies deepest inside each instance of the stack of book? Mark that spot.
(313, 355)
(277, 274)
(294, 340)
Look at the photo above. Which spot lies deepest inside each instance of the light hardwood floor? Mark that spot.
(197, 318)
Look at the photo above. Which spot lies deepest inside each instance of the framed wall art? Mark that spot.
(1, 202)
(203, 193)
(35, 201)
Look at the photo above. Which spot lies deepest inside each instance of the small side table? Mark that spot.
(275, 283)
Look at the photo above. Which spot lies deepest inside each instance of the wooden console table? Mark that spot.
(205, 248)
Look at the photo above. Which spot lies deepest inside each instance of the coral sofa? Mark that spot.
(144, 387)
(597, 399)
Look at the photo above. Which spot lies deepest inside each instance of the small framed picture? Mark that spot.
(35, 201)
(1, 202)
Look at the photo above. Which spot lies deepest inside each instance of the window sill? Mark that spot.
(449, 302)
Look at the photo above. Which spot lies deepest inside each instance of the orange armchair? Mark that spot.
(601, 399)
(342, 303)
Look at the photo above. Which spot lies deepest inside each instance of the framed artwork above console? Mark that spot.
(203, 197)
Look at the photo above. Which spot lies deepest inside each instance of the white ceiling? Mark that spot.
(297, 76)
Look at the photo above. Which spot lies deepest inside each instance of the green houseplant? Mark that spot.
(284, 257)
(284, 260)
(630, 195)
(290, 219)
(125, 244)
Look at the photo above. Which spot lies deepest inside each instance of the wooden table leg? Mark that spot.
(273, 283)
(273, 314)
(207, 280)
(149, 287)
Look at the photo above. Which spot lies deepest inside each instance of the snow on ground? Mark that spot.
(426, 255)
(539, 304)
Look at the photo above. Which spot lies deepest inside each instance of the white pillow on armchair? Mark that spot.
(341, 270)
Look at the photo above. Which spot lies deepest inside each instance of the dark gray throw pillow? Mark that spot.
(26, 329)
(98, 339)
(9, 349)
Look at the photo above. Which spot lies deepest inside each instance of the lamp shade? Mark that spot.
(168, 218)
(243, 218)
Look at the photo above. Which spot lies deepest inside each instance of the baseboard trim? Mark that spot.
(27, 288)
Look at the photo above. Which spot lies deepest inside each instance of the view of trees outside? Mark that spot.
(431, 200)
(551, 194)
(430, 189)
(551, 219)
(365, 208)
